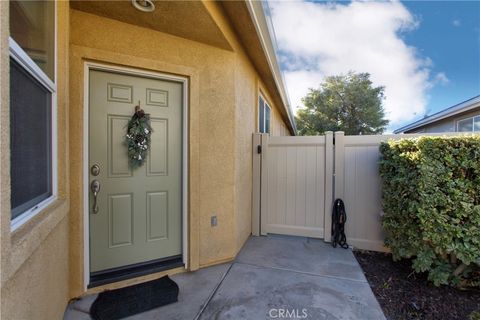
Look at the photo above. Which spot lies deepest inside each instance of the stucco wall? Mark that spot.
(34, 261)
(248, 86)
(211, 117)
(43, 262)
(247, 91)
(223, 98)
(39, 288)
(245, 100)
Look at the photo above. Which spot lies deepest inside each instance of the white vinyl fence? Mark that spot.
(296, 180)
(357, 182)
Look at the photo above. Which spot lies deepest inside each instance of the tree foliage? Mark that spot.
(348, 103)
(431, 200)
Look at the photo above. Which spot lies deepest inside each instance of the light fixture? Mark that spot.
(144, 5)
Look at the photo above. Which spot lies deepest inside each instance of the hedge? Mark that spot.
(431, 201)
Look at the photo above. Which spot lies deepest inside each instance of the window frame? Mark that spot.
(472, 118)
(29, 66)
(263, 125)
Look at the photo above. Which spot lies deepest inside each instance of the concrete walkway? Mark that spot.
(273, 277)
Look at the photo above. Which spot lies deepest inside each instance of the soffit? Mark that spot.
(185, 19)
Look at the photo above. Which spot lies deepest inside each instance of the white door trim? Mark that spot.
(141, 73)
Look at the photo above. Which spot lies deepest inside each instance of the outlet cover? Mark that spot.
(213, 221)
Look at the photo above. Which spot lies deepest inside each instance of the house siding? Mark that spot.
(445, 125)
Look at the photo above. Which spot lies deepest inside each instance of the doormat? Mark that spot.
(124, 302)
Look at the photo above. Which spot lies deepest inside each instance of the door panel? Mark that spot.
(140, 210)
(117, 162)
(120, 216)
(157, 209)
(158, 157)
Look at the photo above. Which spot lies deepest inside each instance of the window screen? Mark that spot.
(30, 140)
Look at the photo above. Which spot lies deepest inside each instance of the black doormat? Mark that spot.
(124, 302)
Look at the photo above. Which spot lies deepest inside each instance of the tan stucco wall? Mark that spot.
(246, 97)
(39, 289)
(34, 263)
(211, 117)
(223, 104)
(43, 262)
(247, 89)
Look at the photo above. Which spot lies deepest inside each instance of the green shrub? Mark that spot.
(475, 315)
(431, 200)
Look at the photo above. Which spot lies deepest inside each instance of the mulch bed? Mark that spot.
(404, 294)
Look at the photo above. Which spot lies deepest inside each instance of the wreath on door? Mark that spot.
(137, 138)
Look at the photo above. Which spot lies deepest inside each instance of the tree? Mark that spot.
(348, 103)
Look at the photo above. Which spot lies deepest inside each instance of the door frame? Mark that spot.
(88, 66)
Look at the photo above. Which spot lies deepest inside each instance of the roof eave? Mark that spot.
(259, 19)
(456, 109)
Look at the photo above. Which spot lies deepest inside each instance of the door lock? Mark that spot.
(95, 187)
(95, 170)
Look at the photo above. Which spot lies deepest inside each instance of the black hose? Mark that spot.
(339, 217)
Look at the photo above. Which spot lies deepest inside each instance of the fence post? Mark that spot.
(339, 171)
(263, 184)
(257, 179)
(327, 209)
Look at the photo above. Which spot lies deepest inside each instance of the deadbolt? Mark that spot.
(95, 170)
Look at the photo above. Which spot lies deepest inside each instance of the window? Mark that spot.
(469, 124)
(32, 107)
(32, 26)
(263, 116)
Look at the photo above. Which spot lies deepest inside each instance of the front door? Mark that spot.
(139, 216)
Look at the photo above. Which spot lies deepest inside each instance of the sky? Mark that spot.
(425, 53)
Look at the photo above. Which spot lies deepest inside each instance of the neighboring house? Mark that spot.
(463, 117)
(71, 74)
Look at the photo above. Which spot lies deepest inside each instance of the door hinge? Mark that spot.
(259, 149)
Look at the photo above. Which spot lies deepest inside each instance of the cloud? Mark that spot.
(316, 40)
(441, 78)
(456, 23)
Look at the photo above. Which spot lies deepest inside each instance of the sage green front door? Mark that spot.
(139, 216)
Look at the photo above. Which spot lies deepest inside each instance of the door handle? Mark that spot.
(95, 187)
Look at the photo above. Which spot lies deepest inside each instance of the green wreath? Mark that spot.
(138, 137)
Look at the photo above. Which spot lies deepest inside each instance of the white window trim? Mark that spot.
(21, 57)
(265, 103)
(468, 118)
